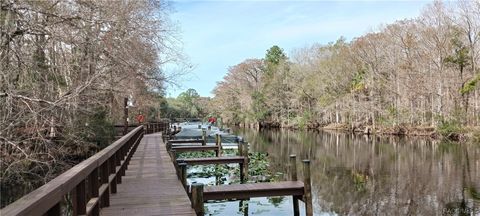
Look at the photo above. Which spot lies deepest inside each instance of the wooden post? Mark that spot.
(169, 146)
(293, 177)
(173, 156)
(197, 198)
(293, 167)
(245, 161)
(81, 199)
(239, 146)
(183, 174)
(105, 172)
(243, 205)
(308, 188)
(125, 116)
(113, 167)
(93, 180)
(219, 144)
(204, 137)
(242, 173)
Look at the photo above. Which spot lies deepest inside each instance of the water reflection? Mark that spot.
(356, 174)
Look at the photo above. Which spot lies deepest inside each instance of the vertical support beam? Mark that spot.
(242, 173)
(93, 180)
(169, 146)
(113, 166)
(245, 161)
(73, 197)
(293, 177)
(105, 172)
(243, 206)
(239, 147)
(118, 162)
(173, 156)
(197, 198)
(204, 137)
(308, 188)
(81, 199)
(183, 174)
(293, 167)
(125, 116)
(218, 139)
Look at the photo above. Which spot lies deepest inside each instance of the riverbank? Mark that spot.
(460, 134)
(446, 131)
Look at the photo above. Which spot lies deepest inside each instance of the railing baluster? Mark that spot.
(112, 164)
(105, 171)
(118, 176)
(81, 199)
(93, 180)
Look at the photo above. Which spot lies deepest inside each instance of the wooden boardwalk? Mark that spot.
(150, 185)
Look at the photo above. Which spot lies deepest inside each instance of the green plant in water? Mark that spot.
(276, 201)
(360, 181)
(199, 154)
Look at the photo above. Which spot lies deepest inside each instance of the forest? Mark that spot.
(66, 67)
(414, 76)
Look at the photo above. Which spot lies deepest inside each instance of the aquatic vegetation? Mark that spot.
(360, 181)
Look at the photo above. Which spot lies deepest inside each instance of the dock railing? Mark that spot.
(88, 184)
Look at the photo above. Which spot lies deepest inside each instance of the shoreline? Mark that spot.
(464, 134)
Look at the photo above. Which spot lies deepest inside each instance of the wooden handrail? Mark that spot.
(101, 171)
(154, 127)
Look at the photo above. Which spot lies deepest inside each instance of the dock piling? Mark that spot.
(197, 198)
(204, 137)
(293, 177)
(183, 173)
(308, 188)
(219, 144)
(245, 163)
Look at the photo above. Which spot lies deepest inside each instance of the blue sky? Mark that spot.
(219, 34)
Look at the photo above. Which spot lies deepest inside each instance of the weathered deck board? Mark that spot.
(213, 160)
(244, 191)
(150, 185)
(194, 148)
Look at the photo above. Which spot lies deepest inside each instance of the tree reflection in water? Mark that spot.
(357, 174)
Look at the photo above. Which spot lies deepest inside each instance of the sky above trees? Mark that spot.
(219, 34)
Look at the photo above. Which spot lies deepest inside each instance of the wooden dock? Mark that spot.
(150, 185)
(135, 176)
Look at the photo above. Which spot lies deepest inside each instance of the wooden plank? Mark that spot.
(194, 148)
(150, 185)
(213, 160)
(180, 141)
(245, 191)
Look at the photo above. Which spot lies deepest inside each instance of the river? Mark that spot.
(370, 175)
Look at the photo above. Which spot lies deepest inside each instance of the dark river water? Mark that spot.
(361, 175)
